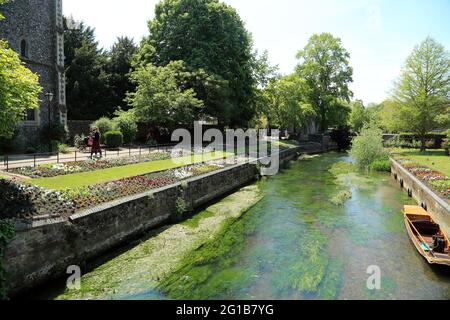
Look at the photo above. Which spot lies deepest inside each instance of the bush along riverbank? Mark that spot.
(163, 252)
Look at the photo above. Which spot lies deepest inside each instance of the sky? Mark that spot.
(378, 34)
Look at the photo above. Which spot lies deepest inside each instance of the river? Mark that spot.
(296, 244)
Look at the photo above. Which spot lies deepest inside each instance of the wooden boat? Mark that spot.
(427, 236)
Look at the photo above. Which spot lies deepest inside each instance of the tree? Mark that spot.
(163, 95)
(359, 115)
(421, 94)
(367, 147)
(207, 35)
(125, 122)
(284, 103)
(1, 3)
(324, 65)
(19, 89)
(118, 67)
(88, 93)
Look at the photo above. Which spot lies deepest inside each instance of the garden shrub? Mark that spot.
(113, 139)
(434, 140)
(381, 165)
(126, 123)
(104, 125)
(367, 146)
(63, 148)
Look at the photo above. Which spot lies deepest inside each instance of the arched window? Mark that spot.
(24, 48)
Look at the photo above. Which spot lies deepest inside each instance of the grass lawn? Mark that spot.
(434, 159)
(78, 180)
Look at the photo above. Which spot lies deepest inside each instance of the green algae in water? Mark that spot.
(330, 286)
(388, 287)
(141, 268)
(304, 269)
(191, 280)
(295, 244)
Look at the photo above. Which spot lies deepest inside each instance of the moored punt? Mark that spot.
(426, 235)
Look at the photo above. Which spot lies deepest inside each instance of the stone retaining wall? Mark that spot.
(425, 197)
(43, 251)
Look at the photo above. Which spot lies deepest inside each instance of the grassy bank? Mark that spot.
(435, 159)
(79, 180)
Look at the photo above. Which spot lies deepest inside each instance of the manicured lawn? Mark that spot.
(78, 180)
(434, 159)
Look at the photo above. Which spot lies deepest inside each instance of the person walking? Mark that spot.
(96, 148)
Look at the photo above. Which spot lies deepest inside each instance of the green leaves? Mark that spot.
(324, 65)
(368, 146)
(211, 39)
(163, 95)
(284, 101)
(19, 89)
(420, 97)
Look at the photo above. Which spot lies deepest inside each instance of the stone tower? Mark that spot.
(34, 29)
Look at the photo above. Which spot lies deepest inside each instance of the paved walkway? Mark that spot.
(24, 160)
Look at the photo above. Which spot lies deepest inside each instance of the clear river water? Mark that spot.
(296, 244)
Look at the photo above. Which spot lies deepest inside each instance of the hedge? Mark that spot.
(438, 138)
(114, 139)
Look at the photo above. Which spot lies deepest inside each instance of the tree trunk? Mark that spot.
(422, 144)
(323, 123)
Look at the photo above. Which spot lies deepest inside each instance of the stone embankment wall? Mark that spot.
(438, 207)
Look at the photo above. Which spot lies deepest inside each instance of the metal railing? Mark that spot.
(24, 160)
(27, 160)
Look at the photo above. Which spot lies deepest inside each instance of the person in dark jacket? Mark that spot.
(96, 148)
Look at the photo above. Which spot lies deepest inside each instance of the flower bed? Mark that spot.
(25, 201)
(435, 180)
(54, 170)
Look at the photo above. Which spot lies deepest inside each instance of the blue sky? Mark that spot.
(379, 34)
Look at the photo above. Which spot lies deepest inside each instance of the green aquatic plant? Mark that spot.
(219, 253)
(330, 286)
(340, 198)
(381, 165)
(388, 287)
(342, 167)
(304, 270)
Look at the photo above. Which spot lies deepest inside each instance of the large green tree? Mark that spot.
(324, 65)
(19, 89)
(284, 103)
(210, 38)
(163, 95)
(421, 94)
(118, 67)
(359, 115)
(88, 94)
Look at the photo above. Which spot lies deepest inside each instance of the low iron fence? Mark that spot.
(24, 160)
(18, 161)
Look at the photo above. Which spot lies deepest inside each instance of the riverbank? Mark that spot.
(162, 251)
(41, 251)
(293, 243)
